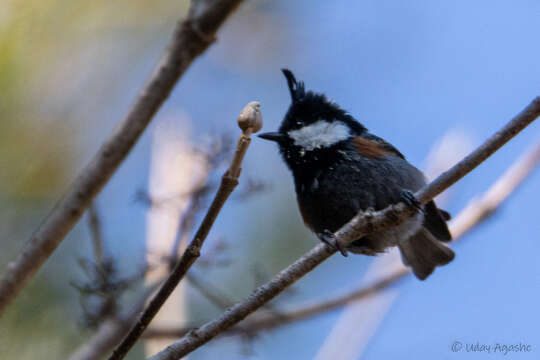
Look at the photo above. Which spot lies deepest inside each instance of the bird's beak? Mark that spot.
(273, 136)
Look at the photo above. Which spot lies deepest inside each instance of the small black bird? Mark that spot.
(340, 168)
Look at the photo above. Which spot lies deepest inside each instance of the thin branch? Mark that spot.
(249, 120)
(190, 39)
(110, 332)
(100, 292)
(188, 218)
(94, 223)
(212, 157)
(187, 221)
(269, 321)
(210, 292)
(482, 208)
(361, 225)
(471, 161)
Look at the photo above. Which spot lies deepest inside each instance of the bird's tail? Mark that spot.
(423, 252)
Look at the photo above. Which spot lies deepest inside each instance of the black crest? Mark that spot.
(308, 107)
(296, 88)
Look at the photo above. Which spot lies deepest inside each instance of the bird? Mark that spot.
(340, 168)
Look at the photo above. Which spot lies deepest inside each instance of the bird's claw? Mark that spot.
(329, 239)
(409, 199)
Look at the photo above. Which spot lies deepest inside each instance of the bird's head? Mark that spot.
(313, 128)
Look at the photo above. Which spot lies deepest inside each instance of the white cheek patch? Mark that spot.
(320, 134)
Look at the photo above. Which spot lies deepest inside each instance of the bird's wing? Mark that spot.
(435, 218)
(384, 144)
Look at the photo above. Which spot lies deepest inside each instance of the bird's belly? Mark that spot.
(330, 211)
(381, 240)
(329, 198)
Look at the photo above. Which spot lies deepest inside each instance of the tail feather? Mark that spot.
(423, 252)
(435, 221)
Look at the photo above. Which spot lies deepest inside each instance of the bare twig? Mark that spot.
(215, 256)
(480, 209)
(210, 292)
(188, 218)
(190, 39)
(110, 332)
(270, 321)
(361, 225)
(249, 120)
(100, 292)
(94, 224)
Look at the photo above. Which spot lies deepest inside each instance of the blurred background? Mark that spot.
(424, 75)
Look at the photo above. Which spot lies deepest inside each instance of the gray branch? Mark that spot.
(190, 39)
(482, 208)
(361, 225)
(250, 121)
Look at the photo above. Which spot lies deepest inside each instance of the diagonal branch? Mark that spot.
(250, 121)
(483, 207)
(190, 39)
(361, 225)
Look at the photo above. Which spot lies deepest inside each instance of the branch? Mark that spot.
(482, 208)
(211, 293)
(269, 321)
(94, 224)
(250, 121)
(361, 225)
(110, 331)
(190, 39)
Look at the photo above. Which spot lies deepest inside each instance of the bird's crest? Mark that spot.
(296, 87)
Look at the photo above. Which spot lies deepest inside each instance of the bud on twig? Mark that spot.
(250, 119)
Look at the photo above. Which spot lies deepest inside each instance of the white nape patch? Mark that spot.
(320, 134)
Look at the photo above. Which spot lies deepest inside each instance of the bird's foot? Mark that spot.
(407, 196)
(329, 239)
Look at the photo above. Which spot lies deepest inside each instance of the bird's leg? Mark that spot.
(329, 239)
